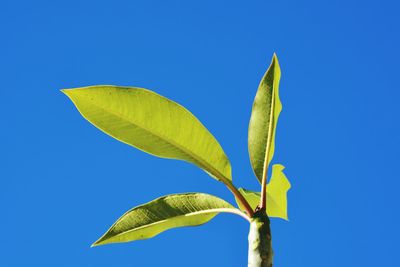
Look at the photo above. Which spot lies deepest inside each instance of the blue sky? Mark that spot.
(63, 182)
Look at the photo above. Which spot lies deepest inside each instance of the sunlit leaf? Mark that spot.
(164, 213)
(152, 123)
(276, 194)
(263, 121)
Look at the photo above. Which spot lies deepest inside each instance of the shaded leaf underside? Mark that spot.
(263, 121)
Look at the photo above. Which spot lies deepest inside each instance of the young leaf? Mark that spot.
(276, 194)
(164, 213)
(263, 121)
(153, 124)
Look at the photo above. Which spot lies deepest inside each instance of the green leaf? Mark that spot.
(276, 194)
(152, 123)
(164, 213)
(263, 121)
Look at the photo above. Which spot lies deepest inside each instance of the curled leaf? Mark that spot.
(264, 118)
(276, 194)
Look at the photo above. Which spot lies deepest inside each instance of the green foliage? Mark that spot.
(152, 123)
(161, 127)
(264, 118)
(164, 213)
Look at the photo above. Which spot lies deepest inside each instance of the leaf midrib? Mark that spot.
(269, 134)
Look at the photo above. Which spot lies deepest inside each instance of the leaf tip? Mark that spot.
(101, 241)
(275, 62)
(97, 243)
(66, 91)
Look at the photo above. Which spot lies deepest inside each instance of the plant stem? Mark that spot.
(260, 246)
(240, 198)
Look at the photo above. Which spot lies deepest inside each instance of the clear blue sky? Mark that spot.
(63, 182)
